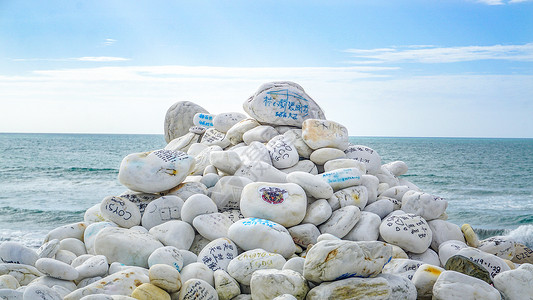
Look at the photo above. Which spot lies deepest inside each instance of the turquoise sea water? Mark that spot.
(48, 180)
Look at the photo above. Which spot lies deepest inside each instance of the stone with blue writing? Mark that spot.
(501, 246)
(427, 206)
(323, 155)
(256, 151)
(198, 270)
(218, 254)
(226, 286)
(243, 266)
(260, 134)
(227, 192)
(161, 210)
(382, 207)
(339, 259)
(282, 152)
(183, 143)
(252, 233)
(408, 231)
(168, 255)
(305, 165)
(16, 253)
(156, 171)
(355, 195)
(352, 288)
(342, 178)
(283, 203)
(366, 155)
(261, 171)
(203, 120)
(270, 283)
(324, 133)
(312, 185)
(175, 233)
(366, 229)
(212, 226)
(236, 132)
(341, 221)
(224, 121)
(214, 137)
(454, 285)
(295, 136)
(120, 211)
(493, 264)
(317, 212)
(179, 118)
(282, 103)
(197, 289)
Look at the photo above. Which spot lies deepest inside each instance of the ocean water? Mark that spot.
(48, 180)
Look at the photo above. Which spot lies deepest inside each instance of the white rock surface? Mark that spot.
(161, 210)
(243, 266)
(92, 267)
(198, 270)
(323, 155)
(318, 212)
(235, 133)
(175, 233)
(56, 269)
(302, 166)
(493, 264)
(73, 230)
(341, 221)
(39, 291)
(212, 226)
(501, 246)
(270, 283)
(403, 267)
(401, 287)
(183, 143)
(282, 152)
(256, 151)
(227, 192)
(454, 285)
(352, 288)
(342, 178)
(197, 205)
(168, 255)
(225, 285)
(448, 249)
(424, 279)
(423, 204)
(260, 134)
(90, 233)
(304, 234)
(214, 137)
(295, 135)
(120, 211)
(312, 185)
(444, 231)
(366, 229)
(203, 119)
(341, 163)
(261, 171)
(218, 253)
(382, 207)
(16, 253)
(165, 277)
(224, 121)
(516, 284)
(324, 133)
(197, 289)
(366, 155)
(408, 231)
(179, 118)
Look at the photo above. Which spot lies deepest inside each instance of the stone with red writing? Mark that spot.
(120, 211)
(282, 103)
(408, 231)
(218, 253)
(366, 155)
(282, 152)
(282, 203)
(243, 266)
(324, 133)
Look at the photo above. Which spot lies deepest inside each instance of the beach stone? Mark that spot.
(261, 134)
(161, 210)
(352, 288)
(386, 176)
(270, 283)
(225, 285)
(398, 252)
(198, 270)
(371, 183)
(312, 185)
(218, 254)
(523, 254)
(188, 257)
(493, 264)
(156, 171)
(296, 264)
(73, 230)
(396, 167)
(261, 171)
(93, 214)
(212, 226)
(183, 143)
(516, 284)
(444, 231)
(140, 199)
(408, 231)
(323, 155)
(252, 233)
(282, 203)
(236, 132)
(468, 267)
(282, 103)
(339, 259)
(341, 221)
(425, 205)
(448, 249)
(214, 137)
(355, 195)
(382, 207)
(304, 234)
(148, 291)
(324, 133)
(501, 246)
(234, 215)
(16, 253)
(187, 189)
(40, 292)
(203, 119)
(342, 178)
(224, 121)
(120, 211)
(73, 245)
(90, 233)
(179, 118)
(366, 229)
(119, 283)
(227, 192)
(305, 166)
(342, 163)
(56, 269)
(8, 282)
(403, 267)
(243, 266)
(197, 289)
(295, 136)
(127, 246)
(401, 287)
(168, 255)
(424, 279)
(51, 282)
(256, 151)
(9, 294)
(23, 273)
(197, 205)
(210, 179)
(318, 212)
(395, 192)
(203, 159)
(282, 152)
(429, 257)
(197, 130)
(454, 285)
(175, 233)
(92, 267)
(198, 244)
(366, 155)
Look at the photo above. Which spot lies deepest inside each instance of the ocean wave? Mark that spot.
(523, 234)
(14, 215)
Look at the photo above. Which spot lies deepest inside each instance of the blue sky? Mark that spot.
(382, 68)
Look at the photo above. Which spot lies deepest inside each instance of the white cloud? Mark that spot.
(109, 42)
(100, 58)
(433, 54)
(491, 2)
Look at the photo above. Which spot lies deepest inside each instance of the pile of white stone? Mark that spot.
(274, 205)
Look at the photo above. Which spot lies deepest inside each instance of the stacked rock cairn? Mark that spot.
(275, 204)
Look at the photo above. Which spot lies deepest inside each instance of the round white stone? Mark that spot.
(401, 287)
(448, 249)
(174, 233)
(226, 161)
(295, 136)
(197, 205)
(444, 231)
(397, 167)
(516, 284)
(355, 195)
(429, 257)
(243, 266)
(260, 134)
(304, 234)
(256, 151)
(371, 183)
(501, 246)
(165, 277)
(342, 163)
(203, 159)
(218, 253)
(282, 152)
(92, 267)
(323, 155)
(235, 133)
(197, 289)
(366, 155)
(306, 166)
(318, 212)
(73, 245)
(270, 283)
(323, 133)
(408, 231)
(198, 270)
(56, 269)
(120, 211)
(342, 178)
(39, 291)
(212, 226)
(224, 121)
(226, 286)
(90, 233)
(16, 253)
(161, 210)
(295, 264)
(214, 137)
(183, 143)
(403, 267)
(74, 230)
(179, 118)
(366, 229)
(168, 255)
(312, 185)
(261, 171)
(203, 119)
(354, 288)
(425, 205)
(227, 192)
(341, 221)
(454, 285)
(381, 207)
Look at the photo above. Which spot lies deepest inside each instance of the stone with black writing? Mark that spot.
(168, 255)
(175, 233)
(448, 249)
(317, 212)
(323, 155)
(197, 289)
(225, 285)
(198, 270)
(260, 134)
(197, 130)
(139, 198)
(218, 254)
(179, 118)
(295, 136)
(453, 285)
(213, 137)
(468, 267)
(408, 231)
(523, 254)
(56, 269)
(493, 264)
(366, 155)
(355, 195)
(256, 151)
(424, 278)
(312, 185)
(270, 283)
(184, 142)
(352, 288)
(161, 210)
(382, 207)
(203, 120)
(341, 221)
(366, 229)
(338, 259)
(39, 291)
(282, 152)
(261, 171)
(227, 192)
(11, 294)
(73, 230)
(306, 166)
(304, 234)
(342, 178)
(224, 121)
(16, 253)
(324, 133)
(155, 171)
(282, 103)
(427, 206)
(212, 226)
(401, 287)
(516, 284)
(243, 266)
(120, 211)
(252, 233)
(403, 267)
(501, 246)
(236, 132)
(444, 231)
